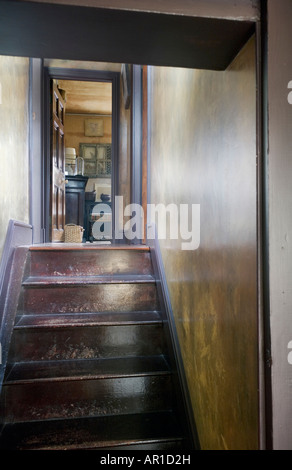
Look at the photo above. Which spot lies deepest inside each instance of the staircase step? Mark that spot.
(81, 247)
(50, 371)
(139, 430)
(89, 360)
(82, 342)
(89, 298)
(89, 260)
(87, 319)
(51, 281)
(71, 389)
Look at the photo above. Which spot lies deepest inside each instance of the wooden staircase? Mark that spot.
(89, 363)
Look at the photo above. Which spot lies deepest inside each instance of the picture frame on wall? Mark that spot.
(126, 81)
(88, 151)
(93, 127)
(97, 160)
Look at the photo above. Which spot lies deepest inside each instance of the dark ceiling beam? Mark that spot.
(43, 30)
(240, 10)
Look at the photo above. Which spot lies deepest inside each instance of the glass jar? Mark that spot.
(79, 166)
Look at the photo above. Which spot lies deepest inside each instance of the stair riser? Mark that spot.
(88, 263)
(94, 433)
(172, 446)
(175, 445)
(90, 298)
(76, 399)
(86, 342)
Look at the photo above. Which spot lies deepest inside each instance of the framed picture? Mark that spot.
(126, 80)
(93, 127)
(88, 151)
(97, 160)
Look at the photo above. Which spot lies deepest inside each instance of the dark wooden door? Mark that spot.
(57, 165)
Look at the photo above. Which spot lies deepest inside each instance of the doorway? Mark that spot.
(86, 154)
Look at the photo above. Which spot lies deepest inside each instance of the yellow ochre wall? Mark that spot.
(74, 131)
(203, 151)
(14, 142)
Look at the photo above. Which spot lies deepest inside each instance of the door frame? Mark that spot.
(78, 75)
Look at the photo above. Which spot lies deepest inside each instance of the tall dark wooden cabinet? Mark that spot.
(75, 199)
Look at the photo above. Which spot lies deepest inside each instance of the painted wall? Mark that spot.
(203, 151)
(74, 131)
(81, 64)
(279, 197)
(14, 142)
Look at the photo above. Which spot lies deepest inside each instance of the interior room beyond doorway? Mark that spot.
(88, 143)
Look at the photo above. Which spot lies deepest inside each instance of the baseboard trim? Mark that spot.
(17, 241)
(18, 234)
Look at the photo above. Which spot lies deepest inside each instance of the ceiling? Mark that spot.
(87, 97)
(46, 30)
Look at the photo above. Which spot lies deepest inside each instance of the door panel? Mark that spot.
(57, 165)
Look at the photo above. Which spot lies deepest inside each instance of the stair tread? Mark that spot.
(91, 433)
(87, 280)
(89, 246)
(86, 319)
(64, 370)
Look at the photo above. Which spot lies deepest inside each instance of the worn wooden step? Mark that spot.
(51, 281)
(75, 370)
(67, 389)
(75, 399)
(84, 342)
(87, 319)
(178, 445)
(138, 430)
(88, 260)
(110, 297)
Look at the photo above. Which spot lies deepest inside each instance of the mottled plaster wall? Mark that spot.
(14, 142)
(203, 151)
(74, 131)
